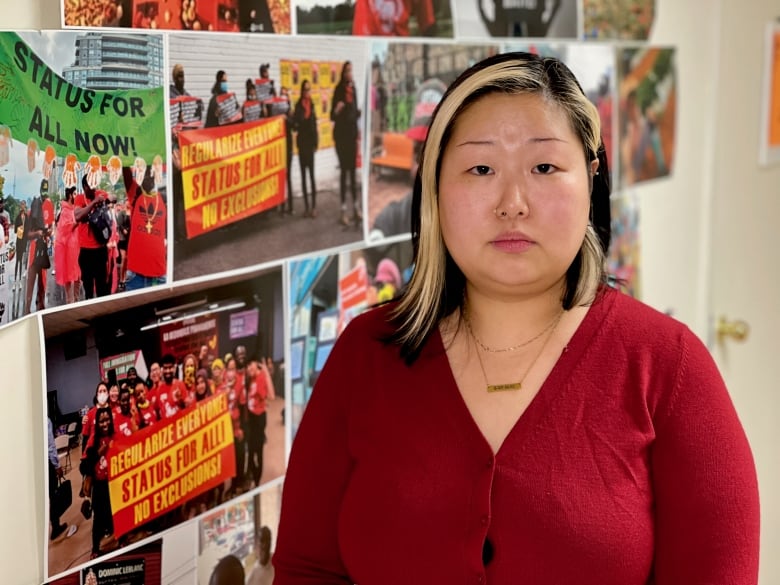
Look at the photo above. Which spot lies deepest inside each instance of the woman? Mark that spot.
(259, 392)
(219, 88)
(100, 400)
(345, 114)
(95, 466)
(38, 263)
(561, 432)
(21, 244)
(305, 122)
(251, 109)
(66, 248)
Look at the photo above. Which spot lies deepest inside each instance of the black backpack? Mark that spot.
(100, 223)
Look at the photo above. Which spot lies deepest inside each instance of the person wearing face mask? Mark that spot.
(219, 88)
(171, 393)
(147, 240)
(88, 421)
(217, 375)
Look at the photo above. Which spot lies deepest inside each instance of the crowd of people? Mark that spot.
(261, 101)
(65, 242)
(127, 406)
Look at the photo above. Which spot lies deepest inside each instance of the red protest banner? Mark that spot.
(232, 172)
(183, 337)
(161, 467)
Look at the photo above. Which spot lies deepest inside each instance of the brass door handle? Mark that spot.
(737, 330)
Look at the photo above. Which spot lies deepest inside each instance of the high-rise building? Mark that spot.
(107, 61)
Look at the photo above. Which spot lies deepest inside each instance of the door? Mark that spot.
(745, 254)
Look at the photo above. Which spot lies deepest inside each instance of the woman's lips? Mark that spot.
(512, 242)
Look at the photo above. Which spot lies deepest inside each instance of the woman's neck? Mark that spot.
(504, 322)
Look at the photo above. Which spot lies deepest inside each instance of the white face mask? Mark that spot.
(102, 397)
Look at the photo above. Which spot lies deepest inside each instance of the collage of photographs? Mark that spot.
(195, 216)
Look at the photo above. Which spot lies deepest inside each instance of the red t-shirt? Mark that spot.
(167, 405)
(257, 393)
(148, 415)
(146, 246)
(86, 237)
(101, 467)
(48, 212)
(123, 424)
(88, 426)
(236, 398)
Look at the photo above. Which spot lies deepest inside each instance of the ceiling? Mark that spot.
(62, 320)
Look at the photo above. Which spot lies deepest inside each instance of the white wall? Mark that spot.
(674, 222)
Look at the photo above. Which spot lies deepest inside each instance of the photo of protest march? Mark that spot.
(160, 407)
(509, 18)
(260, 16)
(407, 83)
(237, 541)
(326, 293)
(267, 151)
(83, 201)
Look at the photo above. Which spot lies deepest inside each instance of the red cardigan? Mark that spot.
(630, 467)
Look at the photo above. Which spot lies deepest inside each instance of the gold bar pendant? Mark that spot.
(502, 387)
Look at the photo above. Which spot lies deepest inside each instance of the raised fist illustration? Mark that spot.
(94, 170)
(49, 161)
(5, 145)
(70, 170)
(157, 170)
(114, 166)
(139, 168)
(32, 153)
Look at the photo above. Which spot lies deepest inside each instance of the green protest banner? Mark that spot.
(37, 104)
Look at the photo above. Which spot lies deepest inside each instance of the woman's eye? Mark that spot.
(544, 168)
(481, 170)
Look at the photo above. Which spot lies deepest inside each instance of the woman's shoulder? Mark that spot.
(635, 324)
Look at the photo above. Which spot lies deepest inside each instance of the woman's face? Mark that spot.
(113, 393)
(103, 422)
(102, 394)
(348, 72)
(516, 154)
(200, 385)
(305, 88)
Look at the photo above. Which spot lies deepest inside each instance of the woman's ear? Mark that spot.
(594, 167)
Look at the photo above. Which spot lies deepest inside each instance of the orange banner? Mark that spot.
(163, 466)
(774, 94)
(232, 172)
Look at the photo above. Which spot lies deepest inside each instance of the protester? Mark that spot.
(345, 114)
(21, 245)
(561, 431)
(219, 88)
(260, 390)
(66, 248)
(55, 474)
(38, 262)
(305, 122)
(147, 262)
(93, 254)
(95, 467)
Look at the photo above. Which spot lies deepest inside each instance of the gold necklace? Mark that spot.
(550, 325)
(150, 217)
(515, 385)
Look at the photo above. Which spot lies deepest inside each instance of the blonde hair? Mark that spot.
(437, 284)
